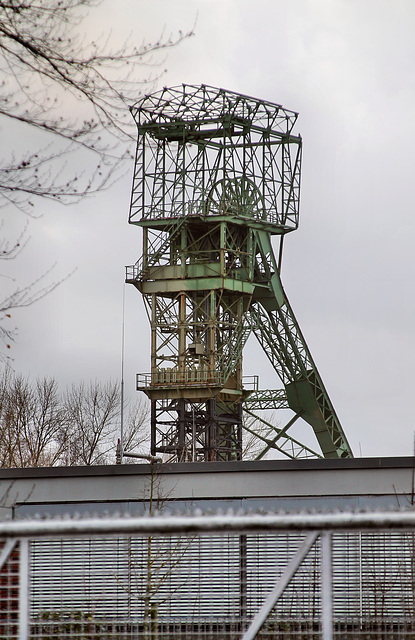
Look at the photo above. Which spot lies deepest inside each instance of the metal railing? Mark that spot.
(216, 577)
(197, 376)
(170, 377)
(201, 208)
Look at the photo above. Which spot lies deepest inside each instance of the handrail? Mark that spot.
(216, 523)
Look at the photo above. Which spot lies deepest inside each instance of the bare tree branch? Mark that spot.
(39, 426)
(71, 91)
(30, 422)
(51, 70)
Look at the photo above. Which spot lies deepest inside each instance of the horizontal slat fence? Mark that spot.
(120, 582)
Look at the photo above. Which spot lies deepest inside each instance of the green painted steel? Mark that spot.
(216, 175)
(266, 400)
(277, 439)
(277, 330)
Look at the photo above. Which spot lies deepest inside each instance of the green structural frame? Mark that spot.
(217, 174)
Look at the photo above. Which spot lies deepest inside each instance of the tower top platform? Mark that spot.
(212, 154)
(203, 104)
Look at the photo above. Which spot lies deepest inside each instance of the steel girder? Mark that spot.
(277, 330)
(191, 430)
(275, 438)
(197, 293)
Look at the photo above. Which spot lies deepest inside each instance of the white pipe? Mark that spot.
(142, 456)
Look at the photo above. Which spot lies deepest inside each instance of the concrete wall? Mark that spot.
(272, 485)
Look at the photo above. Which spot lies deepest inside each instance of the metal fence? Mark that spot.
(210, 577)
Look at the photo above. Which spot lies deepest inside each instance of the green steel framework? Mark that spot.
(216, 175)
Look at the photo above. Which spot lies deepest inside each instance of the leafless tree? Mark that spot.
(71, 88)
(39, 426)
(92, 416)
(158, 566)
(257, 431)
(92, 423)
(31, 421)
(136, 433)
(68, 92)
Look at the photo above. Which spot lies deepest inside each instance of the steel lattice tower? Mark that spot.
(216, 175)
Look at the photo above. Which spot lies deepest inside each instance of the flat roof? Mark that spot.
(320, 464)
(289, 485)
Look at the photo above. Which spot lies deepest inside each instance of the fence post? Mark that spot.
(24, 589)
(327, 585)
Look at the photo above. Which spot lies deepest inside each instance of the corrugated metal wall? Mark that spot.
(222, 577)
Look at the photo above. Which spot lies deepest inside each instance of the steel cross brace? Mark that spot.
(280, 587)
(290, 571)
(281, 433)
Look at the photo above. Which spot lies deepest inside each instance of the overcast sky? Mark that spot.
(347, 67)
